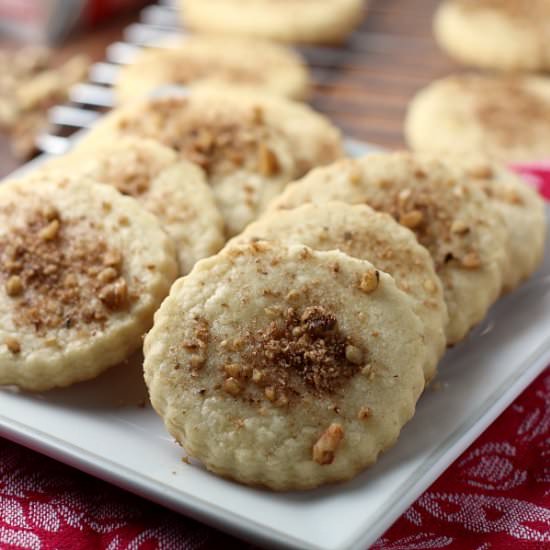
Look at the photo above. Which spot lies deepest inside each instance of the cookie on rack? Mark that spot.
(450, 216)
(171, 188)
(216, 61)
(522, 210)
(507, 35)
(249, 144)
(82, 271)
(285, 367)
(363, 233)
(301, 22)
(504, 118)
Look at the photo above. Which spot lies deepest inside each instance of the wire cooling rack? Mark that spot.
(363, 86)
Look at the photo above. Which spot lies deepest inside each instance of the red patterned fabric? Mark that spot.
(495, 496)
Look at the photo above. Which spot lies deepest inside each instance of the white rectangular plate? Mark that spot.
(100, 428)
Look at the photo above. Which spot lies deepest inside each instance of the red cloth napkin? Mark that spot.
(495, 496)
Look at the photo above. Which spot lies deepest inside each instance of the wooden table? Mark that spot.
(386, 62)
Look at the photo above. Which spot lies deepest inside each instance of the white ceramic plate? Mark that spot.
(103, 428)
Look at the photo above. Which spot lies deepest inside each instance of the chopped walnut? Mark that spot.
(471, 260)
(324, 450)
(232, 386)
(14, 286)
(268, 164)
(411, 219)
(234, 370)
(107, 275)
(294, 354)
(50, 232)
(114, 295)
(459, 227)
(370, 281)
(13, 345)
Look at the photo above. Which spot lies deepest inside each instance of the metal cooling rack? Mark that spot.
(365, 84)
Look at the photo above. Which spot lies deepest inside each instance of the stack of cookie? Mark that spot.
(235, 46)
(294, 356)
(91, 242)
(502, 115)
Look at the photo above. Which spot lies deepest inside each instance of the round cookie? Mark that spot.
(283, 366)
(508, 35)
(82, 271)
(171, 188)
(365, 234)
(450, 216)
(305, 21)
(503, 118)
(522, 210)
(216, 61)
(250, 145)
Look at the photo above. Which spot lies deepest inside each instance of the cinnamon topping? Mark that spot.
(293, 354)
(50, 269)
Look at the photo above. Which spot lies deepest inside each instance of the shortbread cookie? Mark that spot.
(171, 188)
(523, 212)
(82, 270)
(363, 233)
(283, 366)
(291, 21)
(450, 216)
(504, 118)
(216, 61)
(250, 145)
(496, 34)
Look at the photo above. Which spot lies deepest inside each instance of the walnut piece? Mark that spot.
(13, 345)
(324, 450)
(370, 281)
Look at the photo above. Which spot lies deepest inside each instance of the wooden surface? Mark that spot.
(365, 91)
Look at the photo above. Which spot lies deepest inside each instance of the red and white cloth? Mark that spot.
(495, 496)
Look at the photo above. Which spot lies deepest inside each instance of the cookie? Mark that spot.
(82, 271)
(363, 233)
(503, 118)
(171, 188)
(522, 210)
(250, 145)
(450, 216)
(216, 61)
(285, 367)
(495, 34)
(306, 22)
